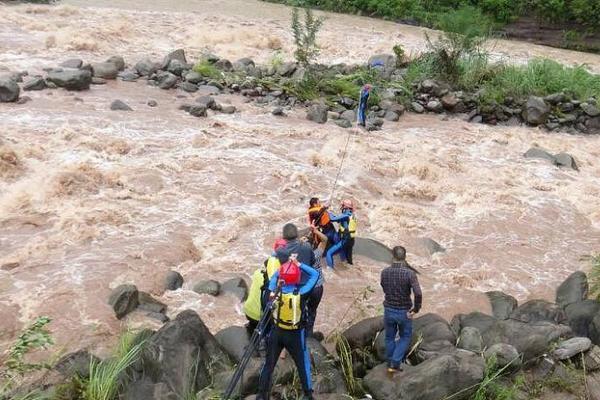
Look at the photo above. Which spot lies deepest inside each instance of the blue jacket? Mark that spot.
(364, 98)
(303, 288)
(343, 219)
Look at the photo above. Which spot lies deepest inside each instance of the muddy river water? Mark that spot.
(92, 198)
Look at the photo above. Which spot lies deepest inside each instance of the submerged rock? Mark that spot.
(9, 90)
(210, 286)
(173, 279)
(123, 299)
(566, 160)
(236, 287)
(119, 105)
(71, 79)
(35, 84)
(317, 113)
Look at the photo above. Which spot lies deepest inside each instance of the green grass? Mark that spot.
(107, 376)
(208, 70)
(344, 353)
(594, 277)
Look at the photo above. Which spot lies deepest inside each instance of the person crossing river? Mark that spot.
(344, 237)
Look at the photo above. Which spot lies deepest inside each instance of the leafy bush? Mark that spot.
(305, 36)
(208, 70)
(503, 11)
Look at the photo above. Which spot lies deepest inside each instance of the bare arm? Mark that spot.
(322, 239)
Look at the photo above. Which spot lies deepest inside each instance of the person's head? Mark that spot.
(314, 201)
(279, 244)
(399, 253)
(367, 87)
(347, 204)
(290, 232)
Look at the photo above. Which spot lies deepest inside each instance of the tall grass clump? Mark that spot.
(305, 36)
(208, 70)
(107, 376)
(344, 353)
(540, 77)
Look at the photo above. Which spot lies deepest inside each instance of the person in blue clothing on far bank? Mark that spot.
(343, 235)
(397, 282)
(289, 318)
(362, 104)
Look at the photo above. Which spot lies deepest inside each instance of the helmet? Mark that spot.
(279, 244)
(347, 204)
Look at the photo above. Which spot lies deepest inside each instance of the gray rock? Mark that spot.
(72, 79)
(572, 347)
(343, 123)
(594, 329)
(333, 115)
(194, 77)
(590, 109)
(502, 304)
(98, 81)
(580, 315)
(76, 364)
(435, 106)
(429, 86)
(391, 116)
(236, 287)
(278, 111)
(504, 354)
(166, 80)
(539, 310)
(363, 333)
(244, 65)
(105, 70)
(234, 340)
(9, 90)
(207, 101)
(450, 101)
(208, 90)
(593, 125)
(535, 111)
(436, 378)
(537, 152)
(431, 246)
(128, 76)
(176, 67)
(286, 69)
(329, 378)
(182, 345)
(470, 339)
(123, 299)
(574, 289)
(173, 279)
(146, 67)
(224, 65)
(556, 98)
(119, 105)
(118, 61)
(188, 87)
(229, 109)
(197, 110)
(152, 103)
(145, 389)
(317, 113)
(150, 304)
(566, 160)
(477, 119)
(74, 63)
(349, 115)
(592, 359)
(35, 84)
(177, 55)
(416, 107)
(208, 287)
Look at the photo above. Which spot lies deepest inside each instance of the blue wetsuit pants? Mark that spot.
(333, 250)
(294, 342)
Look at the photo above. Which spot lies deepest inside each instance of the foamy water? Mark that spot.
(91, 198)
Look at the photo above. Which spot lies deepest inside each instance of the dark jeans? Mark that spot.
(348, 250)
(396, 321)
(314, 298)
(295, 344)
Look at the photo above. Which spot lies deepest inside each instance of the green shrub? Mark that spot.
(208, 70)
(503, 11)
(305, 36)
(586, 12)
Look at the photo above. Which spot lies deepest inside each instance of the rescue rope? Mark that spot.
(337, 176)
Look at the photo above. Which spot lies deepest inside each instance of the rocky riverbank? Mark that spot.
(333, 90)
(532, 349)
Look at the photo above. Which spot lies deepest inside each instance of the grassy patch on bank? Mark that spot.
(208, 70)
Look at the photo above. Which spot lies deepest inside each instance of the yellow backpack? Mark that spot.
(288, 312)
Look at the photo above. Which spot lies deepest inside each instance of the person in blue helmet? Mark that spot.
(362, 104)
(343, 234)
(289, 320)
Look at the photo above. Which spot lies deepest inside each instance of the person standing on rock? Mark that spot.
(315, 295)
(398, 281)
(362, 104)
(343, 234)
(304, 251)
(289, 318)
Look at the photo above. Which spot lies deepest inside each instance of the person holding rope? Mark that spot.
(319, 217)
(362, 105)
(289, 318)
(343, 234)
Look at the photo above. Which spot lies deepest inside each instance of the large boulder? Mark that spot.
(9, 90)
(71, 79)
(536, 111)
(317, 113)
(76, 364)
(567, 161)
(119, 105)
(594, 329)
(329, 379)
(537, 152)
(123, 299)
(475, 319)
(503, 354)
(173, 280)
(539, 310)
(433, 328)
(176, 55)
(166, 80)
(431, 246)
(574, 289)
(234, 340)
(502, 304)
(146, 67)
(580, 315)
(37, 83)
(74, 63)
(183, 354)
(150, 304)
(362, 334)
(105, 70)
(209, 286)
(176, 67)
(572, 347)
(436, 378)
(118, 61)
(236, 287)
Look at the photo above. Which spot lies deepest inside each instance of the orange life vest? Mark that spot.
(323, 219)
